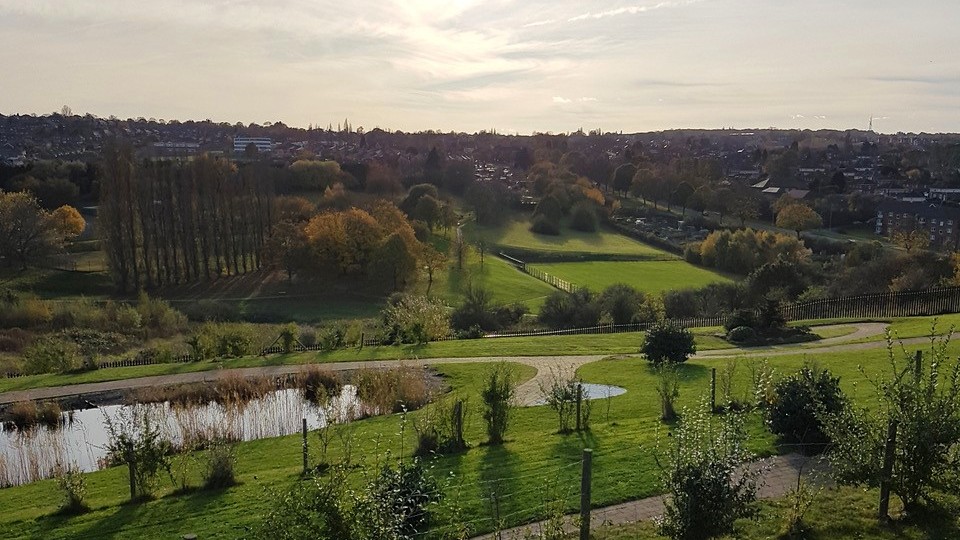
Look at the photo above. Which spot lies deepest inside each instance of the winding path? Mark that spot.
(527, 393)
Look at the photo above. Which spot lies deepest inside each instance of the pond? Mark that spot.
(33, 454)
(593, 391)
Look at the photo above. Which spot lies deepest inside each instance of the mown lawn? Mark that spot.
(534, 467)
(652, 277)
(517, 234)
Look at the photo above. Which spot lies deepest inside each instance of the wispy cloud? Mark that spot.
(630, 10)
(559, 99)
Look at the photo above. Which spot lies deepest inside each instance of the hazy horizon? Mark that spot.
(505, 65)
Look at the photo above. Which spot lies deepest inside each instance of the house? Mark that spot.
(942, 222)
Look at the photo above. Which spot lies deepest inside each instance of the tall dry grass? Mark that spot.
(318, 384)
(385, 391)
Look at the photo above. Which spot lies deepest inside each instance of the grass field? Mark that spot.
(535, 465)
(652, 277)
(517, 234)
(505, 283)
(591, 344)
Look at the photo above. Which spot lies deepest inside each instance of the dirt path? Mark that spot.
(527, 393)
(779, 478)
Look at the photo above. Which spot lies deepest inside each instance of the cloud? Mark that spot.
(558, 99)
(630, 10)
(539, 23)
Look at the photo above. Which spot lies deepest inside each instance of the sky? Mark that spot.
(511, 65)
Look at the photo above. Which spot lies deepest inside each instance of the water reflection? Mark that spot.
(33, 454)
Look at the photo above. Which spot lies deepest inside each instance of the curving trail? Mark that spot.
(527, 393)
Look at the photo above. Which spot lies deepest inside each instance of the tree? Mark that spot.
(395, 261)
(482, 247)
(798, 217)
(922, 400)
(681, 195)
(911, 239)
(29, 233)
(428, 210)
(622, 302)
(667, 342)
(623, 177)
(745, 208)
(432, 260)
(497, 395)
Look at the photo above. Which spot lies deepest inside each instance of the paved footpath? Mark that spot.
(779, 478)
(527, 393)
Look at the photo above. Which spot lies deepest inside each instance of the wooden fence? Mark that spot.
(545, 277)
(612, 328)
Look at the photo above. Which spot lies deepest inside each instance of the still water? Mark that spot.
(33, 454)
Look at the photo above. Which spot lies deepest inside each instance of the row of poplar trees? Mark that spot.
(173, 222)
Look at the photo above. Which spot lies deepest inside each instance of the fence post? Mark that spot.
(132, 468)
(306, 464)
(887, 472)
(579, 400)
(713, 390)
(585, 494)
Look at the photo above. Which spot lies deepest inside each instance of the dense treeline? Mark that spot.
(170, 222)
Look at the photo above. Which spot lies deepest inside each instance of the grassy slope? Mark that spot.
(531, 464)
(502, 280)
(648, 276)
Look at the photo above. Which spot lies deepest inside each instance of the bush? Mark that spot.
(135, 438)
(221, 460)
(127, 319)
(667, 342)
(740, 317)
(924, 399)
(51, 355)
(308, 336)
(691, 253)
(574, 310)
(769, 315)
(159, 317)
(73, 485)
(741, 334)
(416, 319)
(560, 394)
(583, 218)
(440, 429)
(92, 343)
(24, 312)
(234, 341)
(14, 340)
(288, 337)
(497, 395)
(799, 402)
(705, 477)
(474, 332)
(545, 225)
(476, 310)
(400, 497)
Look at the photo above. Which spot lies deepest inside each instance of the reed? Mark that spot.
(385, 391)
(23, 414)
(318, 384)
